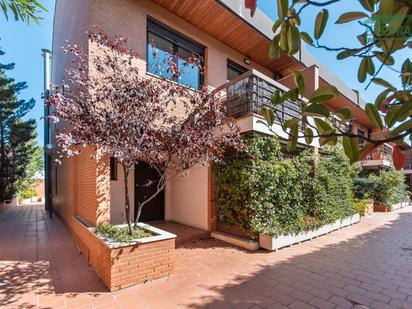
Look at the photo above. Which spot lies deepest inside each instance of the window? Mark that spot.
(113, 169)
(234, 70)
(163, 45)
(361, 137)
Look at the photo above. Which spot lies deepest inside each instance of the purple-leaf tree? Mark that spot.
(106, 103)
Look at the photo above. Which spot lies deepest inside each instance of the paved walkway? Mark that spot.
(368, 265)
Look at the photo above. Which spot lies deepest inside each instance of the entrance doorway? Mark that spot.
(155, 209)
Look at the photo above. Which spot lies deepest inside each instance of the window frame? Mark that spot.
(235, 67)
(113, 169)
(177, 40)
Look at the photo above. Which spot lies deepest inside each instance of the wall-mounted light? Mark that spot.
(246, 60)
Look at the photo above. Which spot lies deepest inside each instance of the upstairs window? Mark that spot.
(361, 137)
(234, 70)
(164, 45)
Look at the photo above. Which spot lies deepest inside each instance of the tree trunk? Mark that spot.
(126, 198)
(140, 207)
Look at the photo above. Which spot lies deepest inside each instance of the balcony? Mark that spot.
(251, 91)
(407, 169)
(380, 158)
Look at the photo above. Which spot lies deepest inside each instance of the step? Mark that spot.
(237, 241)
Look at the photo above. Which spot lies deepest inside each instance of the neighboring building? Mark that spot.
(38, 186)
(235, 48)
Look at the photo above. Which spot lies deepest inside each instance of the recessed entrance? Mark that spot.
(154, 210)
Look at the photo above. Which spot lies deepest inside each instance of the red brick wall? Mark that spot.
(137, 264)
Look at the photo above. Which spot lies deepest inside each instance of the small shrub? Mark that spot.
(362, 186)
(361, 206)
(389, 188)
(27, 193)
(121, 234)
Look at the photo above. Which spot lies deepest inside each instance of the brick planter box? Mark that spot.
(274, 243)
(122, 265)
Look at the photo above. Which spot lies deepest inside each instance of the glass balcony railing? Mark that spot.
(251, 91)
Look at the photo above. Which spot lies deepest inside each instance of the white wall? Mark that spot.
(187, 198)
(117, 200)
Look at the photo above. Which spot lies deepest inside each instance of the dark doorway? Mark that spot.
(154, 210)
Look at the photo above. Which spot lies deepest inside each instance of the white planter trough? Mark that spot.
(273, 243)
(399, 205)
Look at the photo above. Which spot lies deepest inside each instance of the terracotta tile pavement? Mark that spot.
(368, 265)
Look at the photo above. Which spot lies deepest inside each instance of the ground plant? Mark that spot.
(121, 234)
(361, 206)
(27, 193)
(388, 188)
(263, 191)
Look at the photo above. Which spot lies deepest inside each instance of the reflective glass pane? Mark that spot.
(159, 52)
(189, 72)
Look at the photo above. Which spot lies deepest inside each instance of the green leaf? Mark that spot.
(407, 125)
(320, 23)
(324, 93)
(283, 6)
(345, 54)
(308, 136)
(269, 115)
(290, 123)
(384, 58)
(293, 40)
(362, 38)
(403, 112)
(316, 109)
(373, 115)
(384, 83)
(350, 146)
(291, 94)
(390, 118)
(381, 98)
(299, 82)
(283, 41)
(367, 5)
(323, 127)
(329, 140)
(386, 7)
(344, 113)
(293, 138)
(406, 72)
(397, 20)
(274, 50)
(306, 37)
(276, 25)
(276, 97)
(370, 67)
(362, 70)
(349, 16)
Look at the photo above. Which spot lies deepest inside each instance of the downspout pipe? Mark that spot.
(47, 136)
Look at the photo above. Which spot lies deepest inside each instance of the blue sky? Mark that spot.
(23, 45)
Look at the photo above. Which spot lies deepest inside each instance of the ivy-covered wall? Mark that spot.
(264, 192)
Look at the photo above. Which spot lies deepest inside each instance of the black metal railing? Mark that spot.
(251, 91)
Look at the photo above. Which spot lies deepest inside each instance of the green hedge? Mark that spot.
(388, 188)
(264, 192)
(27, 193)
